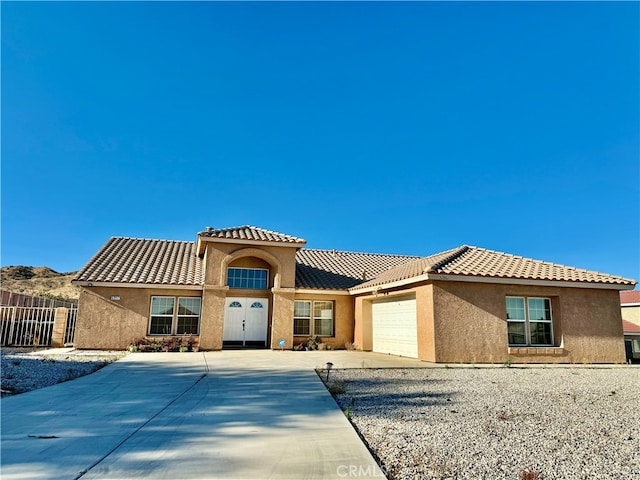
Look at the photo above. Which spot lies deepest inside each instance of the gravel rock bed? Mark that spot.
(24, 370)
(497, 423)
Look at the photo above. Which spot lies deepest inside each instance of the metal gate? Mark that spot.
(33, 326)
(70, 328)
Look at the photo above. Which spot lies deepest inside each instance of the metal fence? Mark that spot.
(70, 329)
(33, 326)
(12, 299)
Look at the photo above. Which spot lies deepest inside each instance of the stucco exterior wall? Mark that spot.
(108, 324)
(471, 326)
(280, 261)
(425, 323)
(282, 318)
(212, 317)
(362, 338)
(343, 315)
(631, 314)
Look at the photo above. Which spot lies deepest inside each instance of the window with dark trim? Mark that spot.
(529, 321)
(188, 315)
(166, 319)
(313, 318)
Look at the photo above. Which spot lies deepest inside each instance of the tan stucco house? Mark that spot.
(251, 287)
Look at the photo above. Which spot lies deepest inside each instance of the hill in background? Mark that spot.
(39, 281)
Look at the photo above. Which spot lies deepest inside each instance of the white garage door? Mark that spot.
(395, 328)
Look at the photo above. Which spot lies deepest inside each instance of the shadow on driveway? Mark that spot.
(179, 416)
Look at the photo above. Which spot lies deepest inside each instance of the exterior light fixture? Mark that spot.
(329, 365)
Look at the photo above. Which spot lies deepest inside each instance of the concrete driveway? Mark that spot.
(230, 414)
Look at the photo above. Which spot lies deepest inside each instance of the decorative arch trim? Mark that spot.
(251, 252)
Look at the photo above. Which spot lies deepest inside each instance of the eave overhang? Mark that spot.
(164, 286)
(311, 291)
(204, 239)
(499, 280)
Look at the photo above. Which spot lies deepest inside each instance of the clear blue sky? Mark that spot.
(380, 127)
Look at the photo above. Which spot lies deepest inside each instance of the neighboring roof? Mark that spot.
(248, 232)
(468, 261)
(335, 270)
(628, 327)
(632, 296)
(142, 261)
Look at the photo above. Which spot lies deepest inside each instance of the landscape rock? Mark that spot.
(498, 423)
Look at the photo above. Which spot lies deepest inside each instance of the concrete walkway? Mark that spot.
(230, 414)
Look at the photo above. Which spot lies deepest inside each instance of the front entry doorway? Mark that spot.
(245, 322)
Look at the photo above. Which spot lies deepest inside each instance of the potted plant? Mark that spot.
(312, 343)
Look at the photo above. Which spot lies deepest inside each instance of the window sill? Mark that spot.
(554, 351)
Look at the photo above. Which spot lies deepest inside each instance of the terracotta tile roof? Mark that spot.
(248, 232)
(142, 261)
(488, 263)
(480, 262)
(632, 296)
(335, 270)
(628, 327)
(409, 269)
(165, 262)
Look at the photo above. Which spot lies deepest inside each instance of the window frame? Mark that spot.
(300, 317)
(527, 321)
(175, 316)
(312, 319)
(266, 284)
(191, 316)
(162, 315)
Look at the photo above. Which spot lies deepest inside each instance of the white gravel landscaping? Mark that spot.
(26, 369)
(497, 423)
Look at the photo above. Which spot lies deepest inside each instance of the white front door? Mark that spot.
(245, 321)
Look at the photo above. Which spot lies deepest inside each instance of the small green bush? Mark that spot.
(337, 388)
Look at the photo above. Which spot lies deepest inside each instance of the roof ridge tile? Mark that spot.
(250, 232)
(454, 255)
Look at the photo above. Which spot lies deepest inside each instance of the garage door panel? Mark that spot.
(395, 327)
